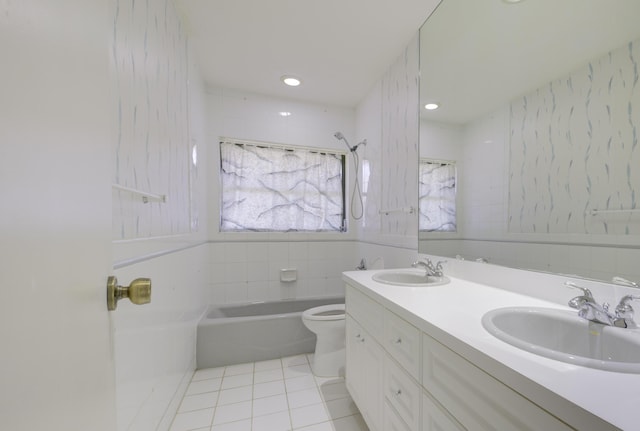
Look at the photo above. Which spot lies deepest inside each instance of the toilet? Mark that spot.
(328, 323)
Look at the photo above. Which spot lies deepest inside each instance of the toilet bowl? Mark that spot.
(328, 323)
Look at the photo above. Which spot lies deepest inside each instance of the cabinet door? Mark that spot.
(476, 399)
(434, 418)
(372, 361)
(364, 373)
(354, 372)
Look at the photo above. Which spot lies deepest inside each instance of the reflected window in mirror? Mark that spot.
(437, 200)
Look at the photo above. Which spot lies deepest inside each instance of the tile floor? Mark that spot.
(276, 395)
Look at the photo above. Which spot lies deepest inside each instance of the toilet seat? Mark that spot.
(325, 312)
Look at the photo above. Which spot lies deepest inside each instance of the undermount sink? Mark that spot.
(564, 336)
(409, 278)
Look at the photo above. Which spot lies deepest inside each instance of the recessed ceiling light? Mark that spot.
(511, 1)
(284, 113)
(431, 106)
(291, 81)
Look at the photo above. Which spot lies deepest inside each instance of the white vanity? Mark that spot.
(418, 358)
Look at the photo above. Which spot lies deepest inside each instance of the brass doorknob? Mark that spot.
(138, 292)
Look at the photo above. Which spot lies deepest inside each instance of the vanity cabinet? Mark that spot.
(365, 356)
(476, 399)
(402, 379)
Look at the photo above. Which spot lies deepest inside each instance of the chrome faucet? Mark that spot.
(431, 269)
(589, 309)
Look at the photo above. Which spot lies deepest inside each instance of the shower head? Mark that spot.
(340, 137)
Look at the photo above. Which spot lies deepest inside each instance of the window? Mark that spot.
(269, 188)
(437, 190)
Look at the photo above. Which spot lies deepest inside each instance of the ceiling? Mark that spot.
(477, 55)
(339, 48)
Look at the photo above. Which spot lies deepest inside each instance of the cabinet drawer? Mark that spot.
(402, 341)
(477, 400)
(434, 418)
(402, 392)
(393, 422)
(365, 310)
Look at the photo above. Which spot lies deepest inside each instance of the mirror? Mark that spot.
(540, 111)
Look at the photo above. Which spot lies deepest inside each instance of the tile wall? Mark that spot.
(157, 111)
(539, 221)
(149, 62)
(388, 118)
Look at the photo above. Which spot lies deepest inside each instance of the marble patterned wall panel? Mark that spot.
(149, 60)
(574, 148)
(400, 142)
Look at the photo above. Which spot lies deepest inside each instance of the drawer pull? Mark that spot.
(399, 340)
(398, 393)
(358, 335)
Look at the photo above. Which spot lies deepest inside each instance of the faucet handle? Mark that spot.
(586, 292)
(579, 301)
(439, 266)
(624, 311)
(623, 306)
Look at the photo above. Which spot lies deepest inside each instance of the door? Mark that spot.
(56, 361)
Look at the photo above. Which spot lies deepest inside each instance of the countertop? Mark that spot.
(585, 398)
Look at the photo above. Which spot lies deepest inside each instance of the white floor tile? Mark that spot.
(202, 386)
(268, 389)
(198, 402)
(308, 415)
(275, 395)
(350, 423)
(230, 382)
(192, 420)
(234, 370)
(333, 391)
(243, 425)
(274, 422)
(328, 380)
(324, 426)
(235, 395)
(267, 376)
(300, 383)
(232, 413)
(290, 361)
(208, 373)
(269, 405)
(297, 371)
(268, 365)
(341, 407)
(305, 397)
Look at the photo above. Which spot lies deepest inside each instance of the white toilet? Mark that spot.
(328, 323)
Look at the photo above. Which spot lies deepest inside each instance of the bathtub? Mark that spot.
(236, 334)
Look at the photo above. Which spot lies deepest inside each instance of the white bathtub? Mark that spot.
(236, 334)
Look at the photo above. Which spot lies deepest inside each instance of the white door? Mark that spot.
(56, 361)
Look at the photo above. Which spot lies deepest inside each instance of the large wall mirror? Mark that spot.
(532, 159)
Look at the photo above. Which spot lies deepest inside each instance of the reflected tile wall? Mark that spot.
(574, 149)
(400, 142)
(149, 60)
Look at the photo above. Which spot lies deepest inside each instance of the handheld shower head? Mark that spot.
(340, 137)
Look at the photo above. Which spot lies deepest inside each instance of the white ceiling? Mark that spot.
(339, 48)
(477, 55)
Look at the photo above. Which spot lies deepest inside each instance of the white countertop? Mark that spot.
(452, 314)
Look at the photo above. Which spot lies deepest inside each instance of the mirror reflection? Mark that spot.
(538, 113)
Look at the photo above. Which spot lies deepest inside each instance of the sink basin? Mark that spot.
(562, 335)
(409, 278)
